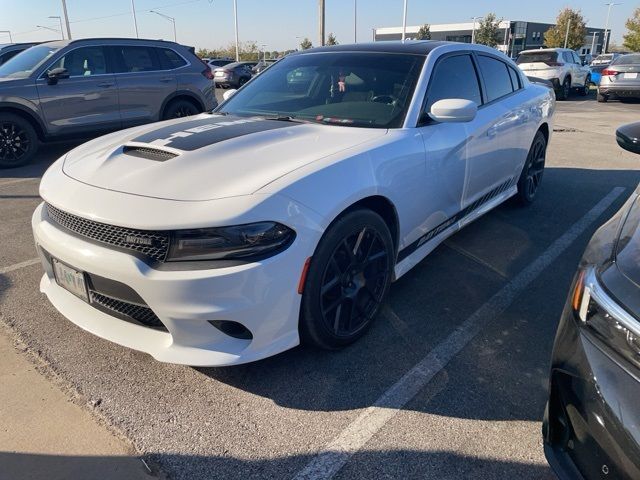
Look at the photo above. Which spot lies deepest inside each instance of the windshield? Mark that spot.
(23, 64)
(349, 89)
(627, 60)
(537, 57)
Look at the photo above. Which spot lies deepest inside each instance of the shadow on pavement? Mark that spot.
(406, 464)
(47, 154)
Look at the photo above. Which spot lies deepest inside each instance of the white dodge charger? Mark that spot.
(284, 215)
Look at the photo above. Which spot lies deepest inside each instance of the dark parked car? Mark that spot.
(217, 62)
(262, 65)
(592, 422)
(233, 75)
(76, 88)
(10, 50)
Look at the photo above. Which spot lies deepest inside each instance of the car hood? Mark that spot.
(208, 156)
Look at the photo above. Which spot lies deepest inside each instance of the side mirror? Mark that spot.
(628, 137)
(56, 74)
(453, 110)
(228, 94)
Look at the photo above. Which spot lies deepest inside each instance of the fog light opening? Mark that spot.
(233, 329)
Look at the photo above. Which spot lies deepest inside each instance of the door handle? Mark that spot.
(105, 84)
(166, 79)
(492, 131)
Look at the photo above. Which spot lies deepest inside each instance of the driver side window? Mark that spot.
(83, 62)
(453, 77)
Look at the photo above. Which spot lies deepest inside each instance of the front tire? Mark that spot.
(584, 91)
(531, 176)
(18, 141)
(347, 281)
(179, 109)
(565, 89)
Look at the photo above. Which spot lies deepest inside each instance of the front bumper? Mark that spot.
(261, 296)
(591, 428)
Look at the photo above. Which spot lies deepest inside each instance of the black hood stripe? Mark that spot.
(201, 132)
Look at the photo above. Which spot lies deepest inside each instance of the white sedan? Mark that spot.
(284, 215)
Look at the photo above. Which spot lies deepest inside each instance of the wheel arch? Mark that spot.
(544, 128)
(181, 95)
(27, 115)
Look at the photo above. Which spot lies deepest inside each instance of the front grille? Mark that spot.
(148, 153)
(148, 243)
(139, 313)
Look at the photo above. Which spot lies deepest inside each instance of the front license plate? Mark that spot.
(630, 75)
(70, 279)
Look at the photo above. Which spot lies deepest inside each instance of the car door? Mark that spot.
(143, 83)
(451, 148)
(582, 70)
(87, 101)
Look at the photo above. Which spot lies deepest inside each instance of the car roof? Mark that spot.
(64, 43)
(534, 50)
(420, 47)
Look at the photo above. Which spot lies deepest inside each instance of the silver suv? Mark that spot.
(75, 88)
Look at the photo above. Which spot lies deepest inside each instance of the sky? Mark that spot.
(277, 24)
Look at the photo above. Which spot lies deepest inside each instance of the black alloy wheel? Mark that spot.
(533, 170)
(348, 279)
(584, 91)
(18, 141)
(565, 89)
(180, 109)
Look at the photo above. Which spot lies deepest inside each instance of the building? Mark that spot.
(513, 35)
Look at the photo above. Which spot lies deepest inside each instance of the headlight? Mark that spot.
(242, 242)
(604, 319)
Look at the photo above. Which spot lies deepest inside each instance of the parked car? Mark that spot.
(561, 66)
(10, 50)
(621, 79)
(591, 428)
(218, 62)
(262, 65)
(281, 217)
(233, 74)
(605, 59)
(74, 88)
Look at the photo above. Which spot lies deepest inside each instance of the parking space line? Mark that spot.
(19, 180)
(18, 266)
(337, 453)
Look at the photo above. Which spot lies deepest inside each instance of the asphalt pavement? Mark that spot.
(450, 382)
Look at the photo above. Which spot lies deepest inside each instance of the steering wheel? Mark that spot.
(387, 99)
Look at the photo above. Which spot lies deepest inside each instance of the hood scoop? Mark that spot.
(150, 153)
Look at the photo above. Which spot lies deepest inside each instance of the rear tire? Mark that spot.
(584, 91)
(18, 141)
(531, 176)
(344, 290)
(601, 98)
(180, 108)
(565, 89)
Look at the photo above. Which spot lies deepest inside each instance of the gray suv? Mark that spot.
(76, 88)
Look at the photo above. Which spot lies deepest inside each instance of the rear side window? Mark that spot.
(538, 57)
(515, 79)
(136, 59)
(497, 79)
(83, 62)
(453, 77)
(170, 59)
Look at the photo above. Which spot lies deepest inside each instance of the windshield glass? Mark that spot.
(627, 60)
(23, 64)
(537, 57)
(349, 89)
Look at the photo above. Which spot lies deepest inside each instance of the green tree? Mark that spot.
(487, 31)
(424, 33)
(331, 39)
(555, 36)
(305, 44)
(632, 37)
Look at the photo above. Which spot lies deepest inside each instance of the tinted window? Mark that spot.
(136, 59)
(453, 77)
(538, 57)
(496, 76)
(83, 62)
(22, 65)
(8, 55)
(627, 60)
(567, 57)
(515, 79)
(576, 58)
(170, 59)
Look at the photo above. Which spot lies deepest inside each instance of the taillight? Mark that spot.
(207, 73)
(607, 71)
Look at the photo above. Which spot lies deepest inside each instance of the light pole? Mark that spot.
(171, 19)
(8, 32)
(52, 29)
(355, 21)
(135, 20)
(66, 18)
(404, 21)
(59, 20)
(606, 27)
(473, 30)
(566, 36)
(264, 52)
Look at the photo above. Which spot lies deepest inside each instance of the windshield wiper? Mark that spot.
(285, 118)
